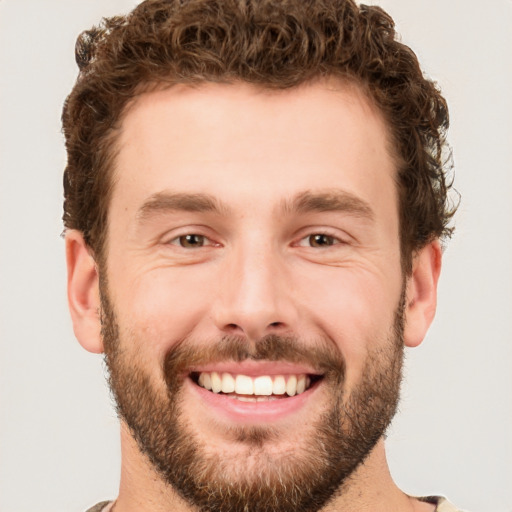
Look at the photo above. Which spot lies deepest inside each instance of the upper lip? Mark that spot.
(256, 368)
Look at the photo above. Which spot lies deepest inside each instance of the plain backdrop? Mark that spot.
(58, 435)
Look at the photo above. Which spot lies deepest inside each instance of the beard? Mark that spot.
(259, 478)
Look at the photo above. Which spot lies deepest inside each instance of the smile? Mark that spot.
(260, 388)
(254, 392)
(251, 388)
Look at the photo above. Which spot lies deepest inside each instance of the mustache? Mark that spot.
(321, 355)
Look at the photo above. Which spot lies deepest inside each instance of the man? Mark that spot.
(254, 202)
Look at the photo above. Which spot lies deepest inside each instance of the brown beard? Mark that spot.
(304, 480)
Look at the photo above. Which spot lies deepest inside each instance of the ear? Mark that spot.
(83, 292)
(421, 294)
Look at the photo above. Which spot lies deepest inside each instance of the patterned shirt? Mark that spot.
(442, 505)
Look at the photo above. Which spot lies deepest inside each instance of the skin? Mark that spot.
(253, 152)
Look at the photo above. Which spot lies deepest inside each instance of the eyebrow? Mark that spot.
(332, 201)
(303, 202)
(168, 201)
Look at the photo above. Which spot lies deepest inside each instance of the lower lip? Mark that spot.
(252, 412)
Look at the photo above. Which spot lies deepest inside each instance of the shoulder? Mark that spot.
(442, 504)
(103, 506)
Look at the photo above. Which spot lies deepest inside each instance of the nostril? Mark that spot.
(253, 331)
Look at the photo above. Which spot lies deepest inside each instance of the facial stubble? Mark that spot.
(304, 479)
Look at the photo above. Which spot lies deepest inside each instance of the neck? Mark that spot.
(141, 488)
(369, 489)
(372, 489)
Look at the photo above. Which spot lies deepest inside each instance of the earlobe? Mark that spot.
(421, 294)
(83, 292)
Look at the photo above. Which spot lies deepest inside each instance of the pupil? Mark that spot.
(321, 240)
(192, 240)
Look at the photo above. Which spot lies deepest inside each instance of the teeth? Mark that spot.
(244, 385)
(228, 383)
(216, 382)
(279, 385)
(247, 399)
(243, 398)
(262, 387)
(205, 381)
(291, 386)
(301, 384)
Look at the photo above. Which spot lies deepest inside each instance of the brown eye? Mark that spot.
(191, 241)
(319, 240)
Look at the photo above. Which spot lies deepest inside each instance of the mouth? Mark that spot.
(255, 388)
(254, 392)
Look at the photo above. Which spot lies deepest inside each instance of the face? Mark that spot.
(253, 296)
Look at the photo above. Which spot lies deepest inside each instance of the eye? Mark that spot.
(191, 241)
(319, 240)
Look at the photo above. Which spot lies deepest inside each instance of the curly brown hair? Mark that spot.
(271, 43)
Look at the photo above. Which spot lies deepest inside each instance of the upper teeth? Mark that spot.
(262, 385)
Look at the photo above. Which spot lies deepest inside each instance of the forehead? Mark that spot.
(239, 142)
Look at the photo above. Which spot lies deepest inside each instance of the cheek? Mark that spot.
(356, 310)
(163, 307)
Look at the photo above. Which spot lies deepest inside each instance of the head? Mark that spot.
(274, 45)
(254, 190)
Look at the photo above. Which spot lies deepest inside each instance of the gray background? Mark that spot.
(58, 435)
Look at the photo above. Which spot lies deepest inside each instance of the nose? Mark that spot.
(255, 297)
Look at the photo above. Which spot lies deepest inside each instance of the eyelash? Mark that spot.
(181, 241)
(333, 240)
